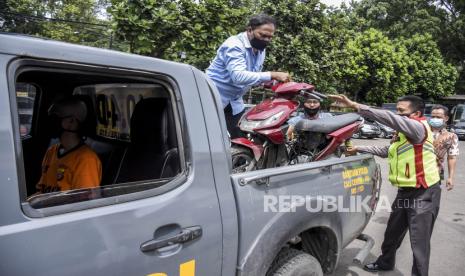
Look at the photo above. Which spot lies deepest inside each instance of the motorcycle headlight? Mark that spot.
(249, 126)
(271, 120)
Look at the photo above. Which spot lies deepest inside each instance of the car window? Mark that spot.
(459, 113)
(128, 141)
(25, 97)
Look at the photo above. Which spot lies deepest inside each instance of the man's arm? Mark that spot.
(237, 68)
(452, 154)
(414, 130)
(379, 151)
(451, 161)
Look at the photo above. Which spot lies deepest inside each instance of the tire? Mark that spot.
(241, 158)
(293, 262)
(357, 135)
(383, 134)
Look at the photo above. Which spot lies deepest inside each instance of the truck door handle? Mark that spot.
(187, 234)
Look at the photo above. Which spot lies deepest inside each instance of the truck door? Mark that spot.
(156, 211)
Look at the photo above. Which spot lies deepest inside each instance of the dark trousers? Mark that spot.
(232, 122)
(414, 210)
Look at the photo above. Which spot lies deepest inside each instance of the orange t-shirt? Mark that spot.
(76, 169)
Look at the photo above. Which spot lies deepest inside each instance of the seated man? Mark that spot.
(311, 112)
(71, 164)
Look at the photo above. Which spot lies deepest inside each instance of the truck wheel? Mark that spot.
(241, 159)
(293, 262)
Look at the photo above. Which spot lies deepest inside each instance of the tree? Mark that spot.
(431, 76)
(178, 30)
(444, 20)
(376, 70)
(73, 21)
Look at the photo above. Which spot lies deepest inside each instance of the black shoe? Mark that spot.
(374, 267)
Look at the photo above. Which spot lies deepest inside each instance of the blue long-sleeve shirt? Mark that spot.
(235, 69)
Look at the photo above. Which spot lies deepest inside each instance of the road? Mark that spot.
(448, 240)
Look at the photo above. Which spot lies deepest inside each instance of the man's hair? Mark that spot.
(440, 106)
(260, 19)
(416, 103)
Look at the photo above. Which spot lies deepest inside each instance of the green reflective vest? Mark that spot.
(413, 165)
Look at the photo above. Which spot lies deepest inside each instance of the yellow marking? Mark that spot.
(346, 174)
(187, 269)
(157, 274)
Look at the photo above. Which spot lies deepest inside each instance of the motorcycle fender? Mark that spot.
(256, 149)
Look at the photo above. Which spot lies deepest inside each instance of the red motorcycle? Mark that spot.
(266, 127)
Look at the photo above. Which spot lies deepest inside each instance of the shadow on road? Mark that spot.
(352, 269)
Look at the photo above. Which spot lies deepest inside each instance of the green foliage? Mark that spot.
(373, 50)
(375, 70)
(431, 76)
(185, 30)
(443, 20)
(73, 21)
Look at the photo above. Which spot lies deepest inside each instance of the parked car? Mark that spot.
(390, 106)
(370, 129)
(386, 132)
(457, 119)
(168, 203)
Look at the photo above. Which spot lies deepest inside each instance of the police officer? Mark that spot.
(414, 170)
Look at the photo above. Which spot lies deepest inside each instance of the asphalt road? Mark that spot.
(448, 240)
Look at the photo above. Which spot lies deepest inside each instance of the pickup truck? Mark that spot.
(168, 202)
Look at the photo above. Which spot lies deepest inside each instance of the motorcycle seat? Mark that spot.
(327, 125)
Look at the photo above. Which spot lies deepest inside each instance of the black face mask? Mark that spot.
(56, 128)
(311, 112)
(405, 114)
(258, 44)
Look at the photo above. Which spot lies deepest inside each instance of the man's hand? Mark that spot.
(280, 76)
(344, 101)
(449, 184)
(351, 150)
(290, 133)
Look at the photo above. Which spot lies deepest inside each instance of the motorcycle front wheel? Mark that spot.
(242, 159)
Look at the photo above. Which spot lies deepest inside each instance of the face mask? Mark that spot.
(56, 129)
(405, 114)
(258, 44)
(436, 122)
(311, 112)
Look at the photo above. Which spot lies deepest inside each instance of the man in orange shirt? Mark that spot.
(71, 164)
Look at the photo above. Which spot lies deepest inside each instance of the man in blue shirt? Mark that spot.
(311, 112)
(238, 65)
